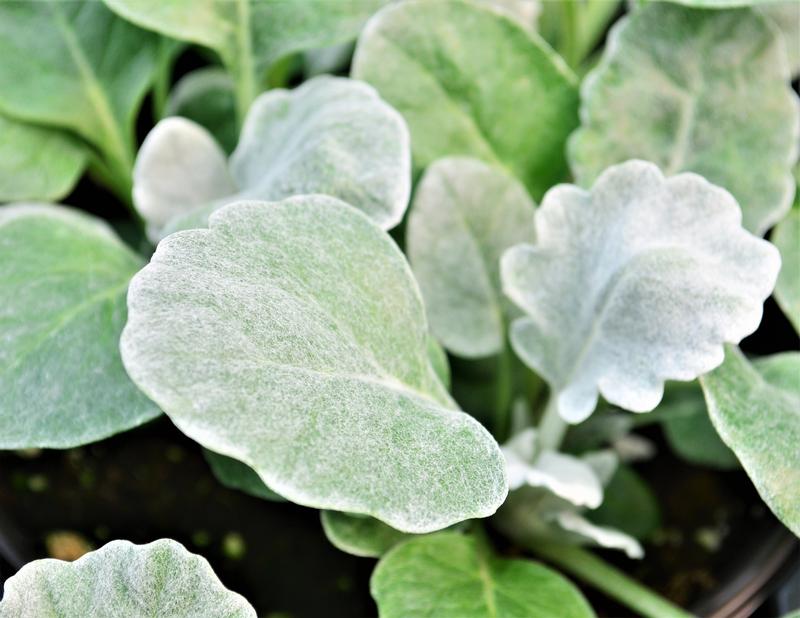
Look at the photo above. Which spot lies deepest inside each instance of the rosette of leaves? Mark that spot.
(639, 280)
(667, 91)
(331, 136)
(122, 579)
(291, 336)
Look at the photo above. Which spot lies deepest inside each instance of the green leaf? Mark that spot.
(628, 504)
(471, 81)
(667, 91)
(206, 97)
(637, 281)
(465, 214)
(122, 579)
(448, 575)
(63, 277)
(75, 65)
(331, 135)
(291, 336)
(37, 163)
(249, 35)
(360, 536)
(786, 237)
(720, 4)
(688, 428)
(236, 475)
(756, 410)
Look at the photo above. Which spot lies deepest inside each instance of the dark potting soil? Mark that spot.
(153, 482)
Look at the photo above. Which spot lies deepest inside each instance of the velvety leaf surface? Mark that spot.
(63, 277)
(249, 35)
(453, 69)
(37, 163)
(635, 282)
(448, 575)
(236, 475)
(291, 336)
(74, 64)
(756, 410)
(669, 91)
(465, 214)
(122, 579)
(360, 536)
(786, 236)
(206, 96)
(331, 135)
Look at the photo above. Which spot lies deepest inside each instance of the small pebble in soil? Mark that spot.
(66, 545)
(233, 546)
(37, 483)
(201, 538)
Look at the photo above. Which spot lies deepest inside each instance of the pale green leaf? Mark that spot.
(688, 428)
(75, 65)
(63, 277)
(448, 575)
(465, 214)
(331, 135)
(236, 475)
(360, 536)
(720, 4)
(122, 579)
(37, 163)
(206, 97)
(786, 237)
(249, 35)
(700, 91)
(291, 336)
(469, 80)
(756, 410)
(637, 281)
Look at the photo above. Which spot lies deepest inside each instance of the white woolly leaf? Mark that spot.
(331, 135)
(599, 535)
(668, 90)
(291, 336)
(756, 410)
(63, 277)
(465, 214)
(565, 476)
(122, 579)
(640, 280)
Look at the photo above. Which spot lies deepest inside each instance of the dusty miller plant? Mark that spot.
(594, 237)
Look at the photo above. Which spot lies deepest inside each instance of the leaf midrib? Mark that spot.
(94, 91)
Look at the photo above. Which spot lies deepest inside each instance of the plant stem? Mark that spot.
(598, 573)
(552, 427)
(568, 42)
(244, 68)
